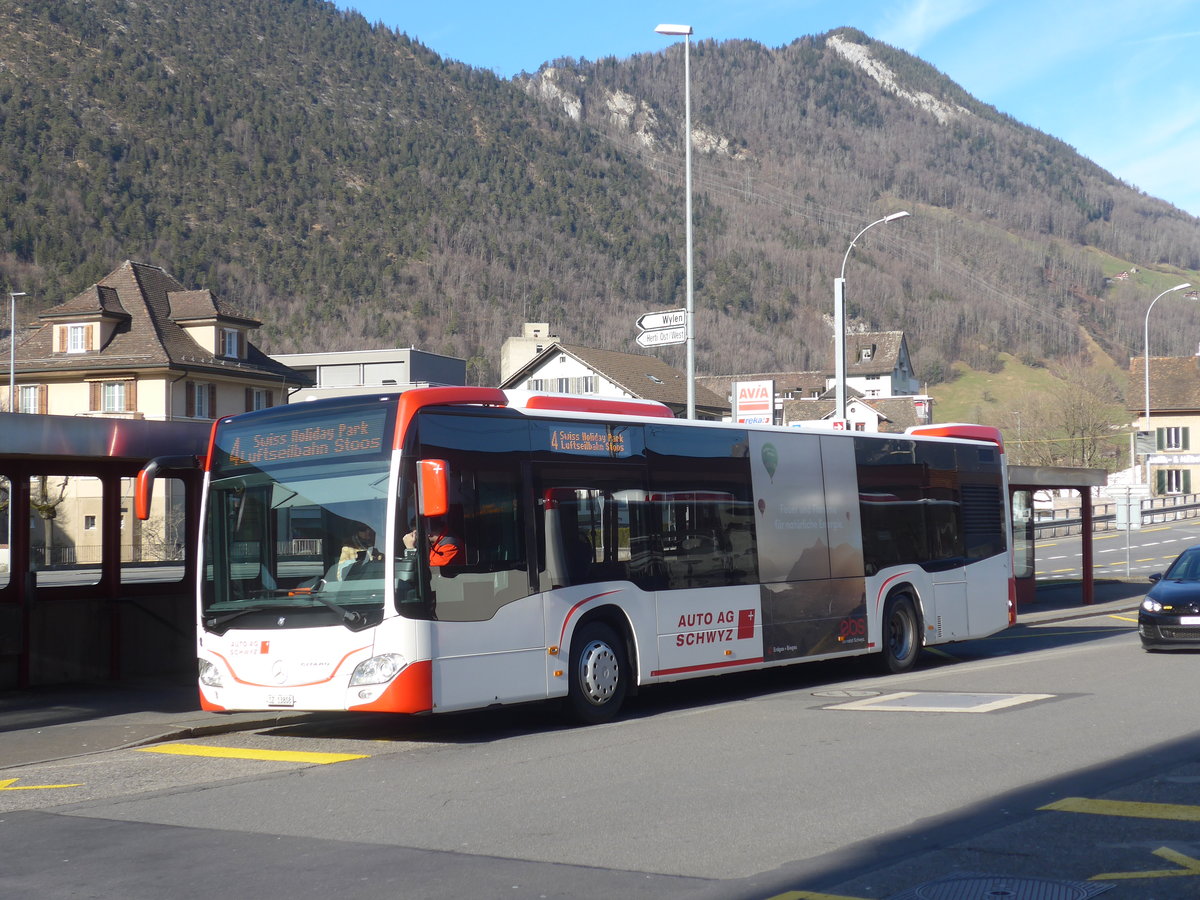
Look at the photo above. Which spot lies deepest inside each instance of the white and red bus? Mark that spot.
(595, 546)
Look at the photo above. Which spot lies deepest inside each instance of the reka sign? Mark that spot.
(754, 402)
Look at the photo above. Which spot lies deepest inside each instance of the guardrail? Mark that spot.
(1154, 511)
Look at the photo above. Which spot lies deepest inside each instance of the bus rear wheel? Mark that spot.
(599, 674)
(901, 634)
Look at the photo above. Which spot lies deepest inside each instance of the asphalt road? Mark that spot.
(818, 780)
(1116, 554)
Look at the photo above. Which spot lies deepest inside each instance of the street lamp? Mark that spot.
(1146, 343)
(839, 319)
(686, 32)
(12, 349)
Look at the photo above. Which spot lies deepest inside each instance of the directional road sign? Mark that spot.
(671, 318)
(660, 336)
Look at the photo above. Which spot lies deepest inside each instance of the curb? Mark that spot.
(1083, 612)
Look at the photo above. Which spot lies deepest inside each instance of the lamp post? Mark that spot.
(839, 319)
(12, 349)
(1146, 345)
(690, 343)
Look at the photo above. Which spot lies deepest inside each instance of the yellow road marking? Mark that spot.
(1190, 867)
(298, 756)
(1122, 618)
(7, 785)
(1173, 811)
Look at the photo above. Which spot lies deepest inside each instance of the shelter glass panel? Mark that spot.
(154, 550)
(66, 524)
(5, 531)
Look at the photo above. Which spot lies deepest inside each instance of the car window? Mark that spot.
(1186, 567)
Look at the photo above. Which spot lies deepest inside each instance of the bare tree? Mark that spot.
(45, 504)
(1077, 425)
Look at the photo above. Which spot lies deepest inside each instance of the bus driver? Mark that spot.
(443, 546)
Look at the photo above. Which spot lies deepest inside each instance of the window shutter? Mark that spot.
(61, 331)
(1185, 483)
(249, 399)
(43, 399)
(94, 400)
(1160, 481)
(189, 399)
(131, 396)
(1160, 438)
(87, 338)
(212, 401)
(1183, 440)
(270, 398)
(220, 342)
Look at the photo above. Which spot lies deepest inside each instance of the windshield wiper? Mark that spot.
(349, 616)
(218, 621)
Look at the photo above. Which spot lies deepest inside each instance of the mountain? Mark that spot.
(350, 188)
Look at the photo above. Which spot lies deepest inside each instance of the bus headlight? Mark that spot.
(210, 675)
(378, 669)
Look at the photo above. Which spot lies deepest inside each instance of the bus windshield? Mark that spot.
(301, 538)
(295, 517)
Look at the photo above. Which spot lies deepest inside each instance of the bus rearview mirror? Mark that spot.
(432, 477)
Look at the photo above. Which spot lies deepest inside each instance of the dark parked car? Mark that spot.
(1170, 614)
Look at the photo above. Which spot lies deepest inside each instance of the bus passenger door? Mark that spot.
(487, 636)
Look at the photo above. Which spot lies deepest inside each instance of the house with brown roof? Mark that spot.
(878, 365)
(571, 369)
(1174, 464)
(881, 387)
(138, 344)
(881, 414)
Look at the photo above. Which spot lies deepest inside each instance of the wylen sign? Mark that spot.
(670, 319)
(659, 328)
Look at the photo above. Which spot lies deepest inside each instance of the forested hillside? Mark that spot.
(351, 189)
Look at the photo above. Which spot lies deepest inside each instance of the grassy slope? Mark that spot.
(983, 396)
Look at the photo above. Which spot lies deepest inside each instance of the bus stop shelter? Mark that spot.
(75, 617)
(1023, 482)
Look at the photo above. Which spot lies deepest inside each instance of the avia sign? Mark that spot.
(754, 402)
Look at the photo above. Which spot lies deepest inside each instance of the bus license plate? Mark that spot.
(281, 699)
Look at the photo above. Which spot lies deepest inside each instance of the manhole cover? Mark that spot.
(997, 887)
(845, 693)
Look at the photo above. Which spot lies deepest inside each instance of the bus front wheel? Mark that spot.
(599, 674)
(901, 634)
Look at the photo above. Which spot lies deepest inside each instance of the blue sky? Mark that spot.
(1118, 80)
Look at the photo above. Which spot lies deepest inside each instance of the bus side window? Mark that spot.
(593, 526)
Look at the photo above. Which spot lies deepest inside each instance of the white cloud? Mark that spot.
(922, 20)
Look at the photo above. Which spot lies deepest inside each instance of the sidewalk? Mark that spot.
(50, 723)
(1060, 600)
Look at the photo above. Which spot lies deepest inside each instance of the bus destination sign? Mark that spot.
(585, 439)
(345, 433)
